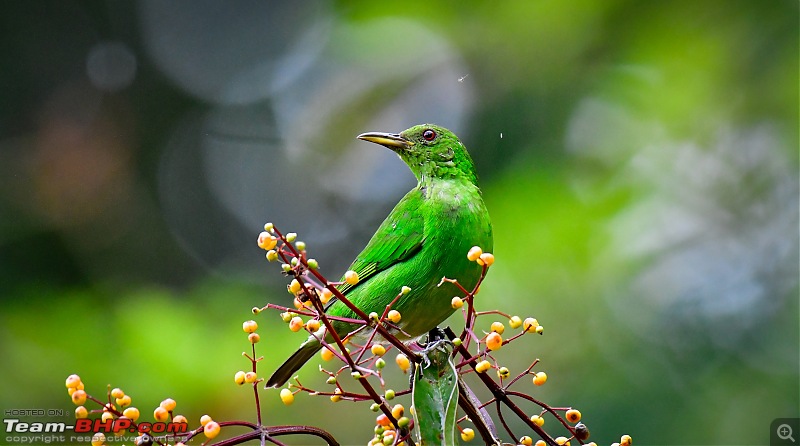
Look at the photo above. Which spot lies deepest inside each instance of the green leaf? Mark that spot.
(435, 396)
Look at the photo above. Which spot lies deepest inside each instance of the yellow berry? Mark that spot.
(503, 373)
(498, 327)
(132, 413)
(124, 401)
(378, 350)
(467, 434)
(494, 341)
(106, 416)
(474, 253)
(287, 396)
(625, 440)
(540, 443)
(73, 381)
(160, 414)
(337, 397)
(326, 295)
(486, 259)
(168, 404)
(268, 227)
(351, 277)
(515, 322)
(294, 287)
(526, 440)
(117, 393)
(539, 378)
(402, 362)
(211, 429)
(290, 237)
(253, 338)
(301, 246)
(530, 324)
(573, 415)
(249, 326)
(79, 397)
(393, 316)
(205, 419)
(562, 441)
(537, 420)
(266, 241)
(250, 377)
(98, 439)
(326, 354)
(398, 410)
(272, 255)
(405, 290)
(483, 366)
(81, 412)
(296, 324)
(238, 378)
(457, 302)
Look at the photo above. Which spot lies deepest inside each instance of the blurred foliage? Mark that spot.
(640, 161)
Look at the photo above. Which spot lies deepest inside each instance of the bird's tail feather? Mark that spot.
(294, 363)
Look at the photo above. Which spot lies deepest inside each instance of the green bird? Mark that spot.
(425, 237)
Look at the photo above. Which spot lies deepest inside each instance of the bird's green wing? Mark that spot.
(398, 238)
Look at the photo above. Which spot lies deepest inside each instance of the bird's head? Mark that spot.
(429, 150)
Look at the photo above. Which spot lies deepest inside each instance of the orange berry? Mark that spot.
(81, 412)
(625, 440)
(486, 259)
(249, 326)
(326, 295)
(539, 378)
(124, 401)
(205, 419)
(253, 338)
(398, 410)
(540, 443)
(117, 393)
(562, 441)
(169, 404)
(351, 277)
(457, 302)
(526, 441)
(402, 362)
(494, 341)
(79, 397)
(474, 253)
(211, 429)
(326, 354)
(573, 416)
(132, 413)
(296, 324)
(382, 420)
(73, 381)
(266, 241)
(312, 325)
(160, 414)
(250, 377)
(179, 419)
(530, 324)
(393, 316)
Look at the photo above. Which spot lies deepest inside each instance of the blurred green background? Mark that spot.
(639, 160)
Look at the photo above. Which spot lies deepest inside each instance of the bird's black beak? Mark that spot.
(391, 140)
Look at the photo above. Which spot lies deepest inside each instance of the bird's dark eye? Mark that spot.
(429, 135)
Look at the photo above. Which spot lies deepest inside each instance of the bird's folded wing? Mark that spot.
(398, 238)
